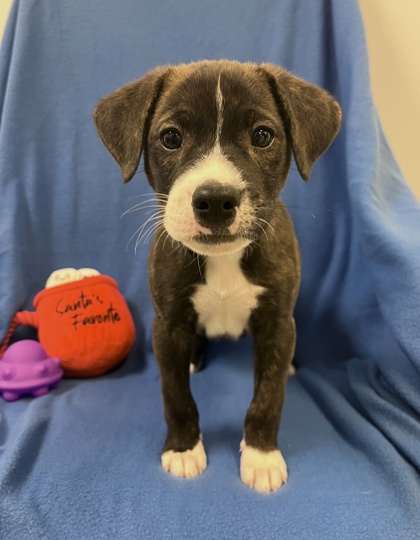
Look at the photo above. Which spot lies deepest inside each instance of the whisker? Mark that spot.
(255, 243)
(152, 229)
(150, 201)
(157, 219)
(266, 222)
(199, 268)
(156, 215)
(148, 232)
(173, 251)
(140, 230)
(154, 204)
(154, 208)
(191, 262)
(262, 228)
(142, 206)
(196, 259)
(167, 236)
(247, 250)
(141, 195)
(136, 209)
(145, 235)
(153, 199)
(161, 234)
(180, 247)
(154, 195)
(128, 243)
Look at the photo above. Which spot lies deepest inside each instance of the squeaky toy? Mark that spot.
(83, 319)
(27, 369)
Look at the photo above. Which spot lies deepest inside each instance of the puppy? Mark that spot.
(217, 139)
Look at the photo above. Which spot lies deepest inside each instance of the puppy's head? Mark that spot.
(217, 138)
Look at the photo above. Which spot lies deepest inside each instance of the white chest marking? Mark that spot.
(225, 302)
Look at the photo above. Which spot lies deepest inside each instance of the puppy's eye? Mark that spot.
(171, 139)
(262, 137)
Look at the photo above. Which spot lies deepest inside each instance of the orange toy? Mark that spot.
(83, 320)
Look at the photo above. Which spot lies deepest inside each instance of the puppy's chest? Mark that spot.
(225, 301)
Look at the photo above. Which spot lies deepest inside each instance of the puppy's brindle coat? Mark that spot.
(217, 138)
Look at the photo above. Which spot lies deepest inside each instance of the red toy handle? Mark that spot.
(27, 318)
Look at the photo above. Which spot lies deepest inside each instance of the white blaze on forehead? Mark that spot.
(219, 104)
(179, 219)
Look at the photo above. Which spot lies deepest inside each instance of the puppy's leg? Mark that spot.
(262, 464)
(183, 453)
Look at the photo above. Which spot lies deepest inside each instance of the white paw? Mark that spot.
(187, 464)
(263, 471)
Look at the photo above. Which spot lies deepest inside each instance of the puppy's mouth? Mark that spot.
(215, 244)
(215, 239)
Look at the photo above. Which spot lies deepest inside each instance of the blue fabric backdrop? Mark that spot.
(83, 461)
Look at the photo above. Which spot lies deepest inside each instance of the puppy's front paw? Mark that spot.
(187, 464)
(263, 471)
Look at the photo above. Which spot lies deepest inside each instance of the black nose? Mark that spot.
(215, 204)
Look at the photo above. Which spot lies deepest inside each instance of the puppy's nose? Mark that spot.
(215, 204)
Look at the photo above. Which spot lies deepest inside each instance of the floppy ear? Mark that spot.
(120, 119)
(312, 115)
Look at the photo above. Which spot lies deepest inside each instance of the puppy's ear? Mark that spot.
(121, 118)
(312, 115)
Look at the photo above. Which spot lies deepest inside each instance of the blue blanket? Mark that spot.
(83, 462)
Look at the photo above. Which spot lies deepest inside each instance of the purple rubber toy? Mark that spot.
(27, 369)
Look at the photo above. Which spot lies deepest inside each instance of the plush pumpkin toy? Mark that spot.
(82, 319)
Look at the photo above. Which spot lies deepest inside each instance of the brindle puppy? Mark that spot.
(217, 138)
